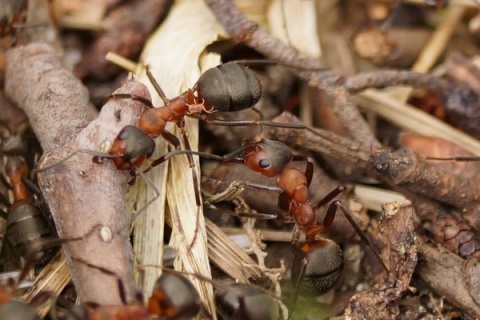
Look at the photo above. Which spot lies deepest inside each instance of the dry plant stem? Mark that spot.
(84, 197)
(53, 279)
(400, 255)
(463, 70)
(406, 169)
(388, 78)
(243, 30)
(449, 276)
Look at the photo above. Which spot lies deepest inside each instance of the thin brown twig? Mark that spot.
(243, 30)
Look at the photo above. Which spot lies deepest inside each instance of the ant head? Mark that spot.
(241, 301)
(321, 265)
(16, 168)
(267, 157)
(134, 145)
(174, 296)
(229, 87)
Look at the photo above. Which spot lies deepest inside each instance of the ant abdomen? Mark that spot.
(26, 227)
(229, 87)
(241, 301)
(324, 266)
(174, 297)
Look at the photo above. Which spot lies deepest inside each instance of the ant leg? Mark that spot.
(145, 206)
(360, 233)
(297, 251)
(98, 156)
(230, 157)
(233, 190)
(242, 123)
(143, 100)
(156, 85)
(329, 197)
(196, 186)
(309, 171)
(173, 140)
(472, 158)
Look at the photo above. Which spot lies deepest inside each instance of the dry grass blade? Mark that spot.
(299, 33)
(228, 256)
(188, 30)
(414, 120)
(374, 198)
(53, 279)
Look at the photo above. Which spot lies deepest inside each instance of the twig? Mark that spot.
(243, 30)
(447, 273)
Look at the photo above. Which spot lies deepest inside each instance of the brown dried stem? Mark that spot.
(309, 69)
(400, 254)
(450, 276)
(84, 198)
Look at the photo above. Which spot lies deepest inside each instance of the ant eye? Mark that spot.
(123, 135)
(264, 163)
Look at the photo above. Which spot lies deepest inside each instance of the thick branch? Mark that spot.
(84, 198)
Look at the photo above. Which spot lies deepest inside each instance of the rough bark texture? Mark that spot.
(86, 199)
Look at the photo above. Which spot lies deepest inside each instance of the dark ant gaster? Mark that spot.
(242, 301)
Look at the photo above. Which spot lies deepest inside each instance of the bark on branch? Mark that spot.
(85, 198)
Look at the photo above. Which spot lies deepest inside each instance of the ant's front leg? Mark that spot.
(145, 101)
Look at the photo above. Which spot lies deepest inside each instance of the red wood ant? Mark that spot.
(173, 297)
(273, 158)
(11, 309)
(12, 14)
(26, 224)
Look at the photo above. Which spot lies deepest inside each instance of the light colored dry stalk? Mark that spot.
(174, 54)
(413, 120)
(52, 279)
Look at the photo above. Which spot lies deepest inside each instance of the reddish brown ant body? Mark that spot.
(319, 261)
(228, 87)
(26, 224)
(12, 14)
(11, 309)
(173, 297)
(273, 158)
